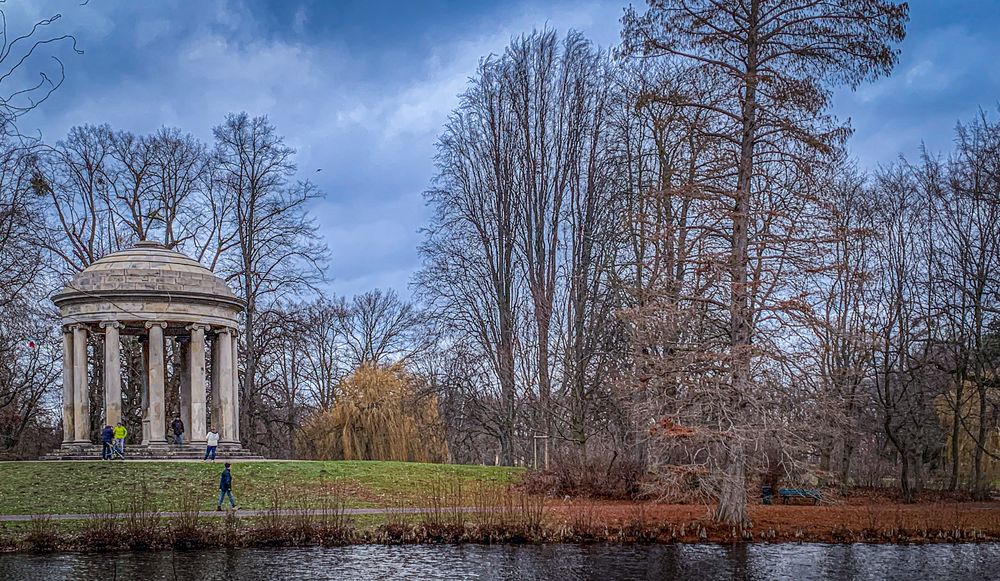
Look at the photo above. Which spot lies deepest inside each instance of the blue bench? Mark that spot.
(785, 494)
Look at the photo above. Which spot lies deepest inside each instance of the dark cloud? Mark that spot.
(361, 90)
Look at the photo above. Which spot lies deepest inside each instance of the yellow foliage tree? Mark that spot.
(378, 415)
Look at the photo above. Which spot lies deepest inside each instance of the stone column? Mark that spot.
(184, 371)
(216, 395)
(145, 390)
(236, 386)
(112, 373)
(68, 409)
(81, 389)
(157, 421)
(196, 356)
(225, 339)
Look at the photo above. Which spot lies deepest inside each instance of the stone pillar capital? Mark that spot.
(112, 324)
(197, 327)
(160, 324)
(224, 331)
(76, 327)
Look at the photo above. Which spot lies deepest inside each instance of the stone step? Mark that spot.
(139, 452)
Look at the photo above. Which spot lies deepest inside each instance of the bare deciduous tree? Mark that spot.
(379, 328)
(772, 64)
(275, 249)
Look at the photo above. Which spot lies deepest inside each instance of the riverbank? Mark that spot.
(93, 506)
(835, 522)
(511, 518)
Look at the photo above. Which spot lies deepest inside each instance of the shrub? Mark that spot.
(42, 534)
(603, 474)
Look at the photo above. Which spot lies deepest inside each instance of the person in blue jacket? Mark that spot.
(107, 436)
(226, 488)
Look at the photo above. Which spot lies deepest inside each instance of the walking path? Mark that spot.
(245, 513)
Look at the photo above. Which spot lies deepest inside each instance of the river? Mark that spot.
(601, 562)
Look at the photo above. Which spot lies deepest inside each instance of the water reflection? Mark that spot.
(602, 562)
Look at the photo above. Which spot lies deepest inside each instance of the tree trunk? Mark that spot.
(732, 509)
(505, 354)
(981, 489)
(904, 477)
(248, 387)
(544, 377)
(904, 458)
(825, 453)
(956, 432)
(845, 465)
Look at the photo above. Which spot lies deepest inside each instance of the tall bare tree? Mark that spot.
(379, 328)
(965, 196)
(773, 63)
(469, 273)
(275, 250)
(179, 164)
(31, 69)
(839, 313)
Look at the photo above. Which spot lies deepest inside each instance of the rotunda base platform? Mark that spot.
(145, 452)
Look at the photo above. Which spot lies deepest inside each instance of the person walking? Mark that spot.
(212, 440)
(107, 436)
(120, 433)
(177, 427)
(226, 488)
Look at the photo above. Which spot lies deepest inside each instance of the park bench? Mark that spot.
(785, 494)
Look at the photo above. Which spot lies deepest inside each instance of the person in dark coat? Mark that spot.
(177, 427)
(107, 436)
(226, 488)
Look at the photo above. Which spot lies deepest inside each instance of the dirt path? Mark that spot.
(813, 521)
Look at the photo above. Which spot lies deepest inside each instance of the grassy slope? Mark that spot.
(73, 487)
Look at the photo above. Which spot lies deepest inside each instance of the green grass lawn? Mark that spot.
(84, 487)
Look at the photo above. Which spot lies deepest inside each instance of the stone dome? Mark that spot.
(148, 282)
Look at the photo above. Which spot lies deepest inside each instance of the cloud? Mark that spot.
(367, 115)
(947, 71)
(363, 95)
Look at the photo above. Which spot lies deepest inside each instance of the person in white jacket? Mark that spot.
(213, 443)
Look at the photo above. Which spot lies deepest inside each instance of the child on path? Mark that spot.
(212, 439)
(226, 488)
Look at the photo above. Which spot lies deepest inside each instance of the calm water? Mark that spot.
(603, 562)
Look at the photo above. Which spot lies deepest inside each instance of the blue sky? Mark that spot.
(361, 90)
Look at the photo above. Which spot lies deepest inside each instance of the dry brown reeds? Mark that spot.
(454, 512)
(294, 519)
(142, 528)
(42, 535)
(104, 531)
(188, 529)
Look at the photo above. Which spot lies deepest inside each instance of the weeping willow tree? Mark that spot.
(378, 415)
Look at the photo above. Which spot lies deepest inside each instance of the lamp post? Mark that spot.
(535, 446)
